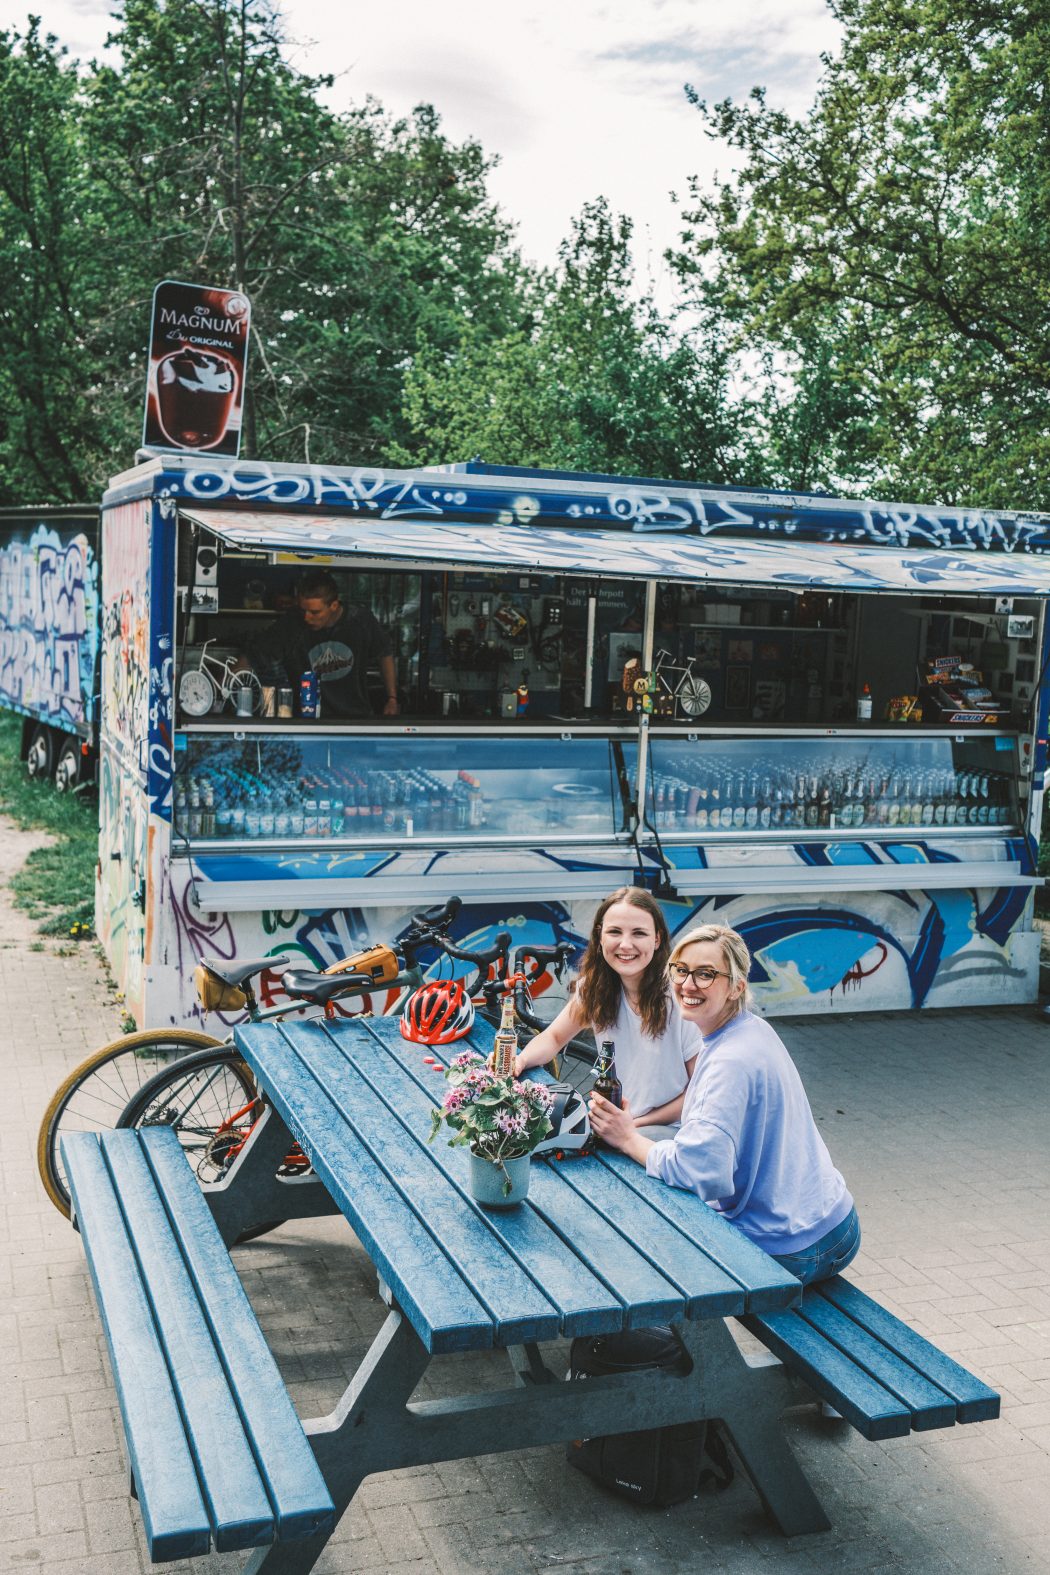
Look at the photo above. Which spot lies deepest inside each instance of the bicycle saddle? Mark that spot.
(235, 973)
(303, 984)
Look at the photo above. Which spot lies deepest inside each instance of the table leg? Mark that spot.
(344, 1445)
(749, 1399)
(252, 1193)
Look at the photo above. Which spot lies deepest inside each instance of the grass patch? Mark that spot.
(56, 885)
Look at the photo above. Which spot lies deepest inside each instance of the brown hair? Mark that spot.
(599, 990)
(735, 956)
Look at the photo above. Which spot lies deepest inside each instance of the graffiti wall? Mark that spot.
(49, 624)
(125, 628)
(185, 933)
(837, 952)
(124, 831)
(883, 951)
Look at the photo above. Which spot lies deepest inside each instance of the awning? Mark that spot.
(663, 555)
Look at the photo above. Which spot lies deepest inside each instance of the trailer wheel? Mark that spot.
(67, 771)
(40, 758)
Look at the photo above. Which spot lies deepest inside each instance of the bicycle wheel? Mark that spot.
(694, 696)
(92, 1097)
(210, 1100)
(202, 1098)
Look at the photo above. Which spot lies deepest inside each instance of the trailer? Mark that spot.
(50, 636)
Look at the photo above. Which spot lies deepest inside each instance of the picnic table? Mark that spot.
(597, 1247)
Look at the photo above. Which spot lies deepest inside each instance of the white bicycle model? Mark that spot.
(679, 688)
(215, 680)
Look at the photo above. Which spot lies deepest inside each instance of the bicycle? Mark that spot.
(691, 694)
(203, 1097)
(212, 678)
(96, 1092)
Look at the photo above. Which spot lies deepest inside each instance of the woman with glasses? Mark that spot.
(748, 1144)
(622, 994)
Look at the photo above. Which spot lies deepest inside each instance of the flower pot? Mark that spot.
(487, 1181)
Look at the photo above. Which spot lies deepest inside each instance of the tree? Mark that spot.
(886, 253)
(49, 422)
(204, 155)
(589, 377)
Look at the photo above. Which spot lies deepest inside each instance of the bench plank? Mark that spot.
(873, 1410)
(520, 1310)
(238, 1508)
(930, 1407)
(302, 1504)
(174, 1516)
(447, 1316)
(974, 1400)
(584, 1304)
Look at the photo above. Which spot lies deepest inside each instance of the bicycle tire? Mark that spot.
(195, 1097)
(92, 1097)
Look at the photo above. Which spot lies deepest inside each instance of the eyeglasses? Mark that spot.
(701, 977)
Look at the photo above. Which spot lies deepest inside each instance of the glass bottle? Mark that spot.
(505, 1046)
(606, 1082)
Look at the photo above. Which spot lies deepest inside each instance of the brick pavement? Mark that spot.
(939, 1123)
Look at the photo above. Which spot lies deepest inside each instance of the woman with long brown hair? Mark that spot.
(622, 994)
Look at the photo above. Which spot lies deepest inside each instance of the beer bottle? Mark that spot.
(606, 1082)
(505, 1047)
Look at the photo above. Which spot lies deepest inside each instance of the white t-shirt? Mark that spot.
(652, 1071)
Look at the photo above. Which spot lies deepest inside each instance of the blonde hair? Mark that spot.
(735, 956)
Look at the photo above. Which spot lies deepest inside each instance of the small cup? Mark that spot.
(269, 701)
(244, 701)
(284, 702)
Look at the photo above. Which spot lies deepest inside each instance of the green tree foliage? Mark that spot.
(883, 259)
(590, 377)
(204, 155)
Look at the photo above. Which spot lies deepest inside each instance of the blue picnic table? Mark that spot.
(597, 1247)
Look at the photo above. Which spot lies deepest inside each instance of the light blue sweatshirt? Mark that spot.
(748, 1143)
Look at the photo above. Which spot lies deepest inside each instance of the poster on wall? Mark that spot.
(198, 357)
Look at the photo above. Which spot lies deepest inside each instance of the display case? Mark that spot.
(853, 784)
(276, 788)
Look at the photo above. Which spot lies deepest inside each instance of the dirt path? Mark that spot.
(16, 927)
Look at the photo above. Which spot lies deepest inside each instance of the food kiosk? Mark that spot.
(818, 720)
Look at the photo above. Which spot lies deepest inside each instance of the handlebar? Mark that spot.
(437, 918)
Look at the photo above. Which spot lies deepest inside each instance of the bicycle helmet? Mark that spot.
(570, 1133)
(437, 1013)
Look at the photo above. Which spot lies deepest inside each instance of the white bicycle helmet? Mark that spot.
(570, 1133)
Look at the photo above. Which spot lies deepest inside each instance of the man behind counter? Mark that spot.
(337, 642)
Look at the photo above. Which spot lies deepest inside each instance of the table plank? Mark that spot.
(607, 1253)
(585, 1305)
(766, 1284)
(444, 1312)
(397, 1143)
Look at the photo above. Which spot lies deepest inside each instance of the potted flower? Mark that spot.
(500, 1120)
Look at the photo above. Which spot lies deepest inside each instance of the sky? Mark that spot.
(578, 98)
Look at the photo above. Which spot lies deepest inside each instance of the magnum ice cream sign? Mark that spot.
(198, 355)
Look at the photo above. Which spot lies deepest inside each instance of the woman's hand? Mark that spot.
(616, 1128)
(613, 1125)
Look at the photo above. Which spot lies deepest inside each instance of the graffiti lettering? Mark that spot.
(48, 623)
(484, 499)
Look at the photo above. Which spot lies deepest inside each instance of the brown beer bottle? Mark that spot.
(606, 1081)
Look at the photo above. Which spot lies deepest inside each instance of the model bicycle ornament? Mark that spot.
(669, 690)
(214, 683)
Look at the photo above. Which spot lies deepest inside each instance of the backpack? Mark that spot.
(663, 1465)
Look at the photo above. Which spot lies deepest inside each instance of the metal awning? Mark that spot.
(662, 555)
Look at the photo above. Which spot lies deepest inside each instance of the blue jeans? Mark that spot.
(826, 1257)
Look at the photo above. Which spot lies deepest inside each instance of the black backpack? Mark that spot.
(663, 1465)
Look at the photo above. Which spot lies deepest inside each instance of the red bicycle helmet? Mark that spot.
(437, 1013)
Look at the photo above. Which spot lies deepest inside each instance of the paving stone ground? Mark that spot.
(939, 1122)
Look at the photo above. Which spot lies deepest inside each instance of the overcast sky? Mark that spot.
(576, 97)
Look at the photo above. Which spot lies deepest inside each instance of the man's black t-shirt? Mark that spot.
(340, 656)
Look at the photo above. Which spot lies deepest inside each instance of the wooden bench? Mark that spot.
(216, 1451)
(869, 1366)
